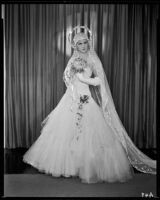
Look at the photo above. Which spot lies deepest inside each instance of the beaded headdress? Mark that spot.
(79, 35)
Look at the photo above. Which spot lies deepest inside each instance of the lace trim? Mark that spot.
(136, 163)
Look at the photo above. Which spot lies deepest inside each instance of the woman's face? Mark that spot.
(82, 46)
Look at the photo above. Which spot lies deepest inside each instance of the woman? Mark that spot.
(83, 136)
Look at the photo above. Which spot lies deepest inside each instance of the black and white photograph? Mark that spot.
(80, 99)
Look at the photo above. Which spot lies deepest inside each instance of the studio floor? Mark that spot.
(22, 180)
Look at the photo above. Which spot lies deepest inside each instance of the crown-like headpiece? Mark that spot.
(80, 35)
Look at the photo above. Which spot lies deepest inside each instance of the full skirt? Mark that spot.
(76, 140)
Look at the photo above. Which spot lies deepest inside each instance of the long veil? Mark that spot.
(137, 159)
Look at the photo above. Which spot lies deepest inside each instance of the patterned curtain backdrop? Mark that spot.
(37, 51)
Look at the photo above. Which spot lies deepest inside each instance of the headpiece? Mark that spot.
(79, 36)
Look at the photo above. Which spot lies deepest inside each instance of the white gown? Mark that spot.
(77, 141)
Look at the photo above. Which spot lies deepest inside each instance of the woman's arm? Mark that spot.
(90, 81)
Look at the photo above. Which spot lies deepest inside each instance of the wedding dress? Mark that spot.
(83, 136)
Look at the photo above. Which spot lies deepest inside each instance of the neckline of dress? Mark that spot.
(83, 57)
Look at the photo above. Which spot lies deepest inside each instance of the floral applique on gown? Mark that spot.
(77, 141)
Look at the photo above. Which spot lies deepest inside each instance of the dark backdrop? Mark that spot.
(37, 51)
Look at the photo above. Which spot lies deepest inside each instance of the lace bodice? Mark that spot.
(83, 88)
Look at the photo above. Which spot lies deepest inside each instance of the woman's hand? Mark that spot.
(90, 81)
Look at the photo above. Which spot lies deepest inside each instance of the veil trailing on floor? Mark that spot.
(103, 95)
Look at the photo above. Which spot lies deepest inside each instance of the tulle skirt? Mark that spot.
(77, 141)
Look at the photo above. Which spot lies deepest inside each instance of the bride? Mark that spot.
(83, 136)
